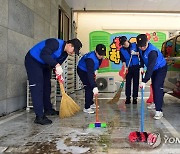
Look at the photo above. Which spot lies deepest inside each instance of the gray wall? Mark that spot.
(22, 24)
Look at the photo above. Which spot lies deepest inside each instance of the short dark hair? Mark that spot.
(122, 40)
(101, 49)
(77, 45)
(141, 40)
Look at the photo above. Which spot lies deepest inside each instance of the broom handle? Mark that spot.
(142, 110)
(142, 107)
(60, 79)
(61, 87)
(127, 67)
(96, 100)
(129, 61)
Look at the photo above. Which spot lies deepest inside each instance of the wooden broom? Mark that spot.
(115, 99)
(67, 106)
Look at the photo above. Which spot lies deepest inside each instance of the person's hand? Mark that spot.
(142, 85)
(142, 70)
(95, 91)
(134, 52)
(59, 69)
(60, 78)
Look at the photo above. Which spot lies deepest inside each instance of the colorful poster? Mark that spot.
(111, 62)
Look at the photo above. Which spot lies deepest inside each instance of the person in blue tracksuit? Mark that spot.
(39, 61)
(126, 51)
(86, 68)
(156, 70)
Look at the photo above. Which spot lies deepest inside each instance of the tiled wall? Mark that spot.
(22, 24)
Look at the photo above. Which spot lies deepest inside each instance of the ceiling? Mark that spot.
(168, 6)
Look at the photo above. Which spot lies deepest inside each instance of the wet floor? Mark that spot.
(18, 133)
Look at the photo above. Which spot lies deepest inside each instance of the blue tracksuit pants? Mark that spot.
(158, 78)
(133, 74)
(40, 85)
(88, 88)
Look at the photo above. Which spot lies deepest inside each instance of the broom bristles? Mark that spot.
(118, 94)
(67, 107)
(115, 99)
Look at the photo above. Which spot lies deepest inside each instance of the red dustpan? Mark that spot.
(121, 72)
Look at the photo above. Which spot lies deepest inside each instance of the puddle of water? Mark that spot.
(73, 149)
(78, 141)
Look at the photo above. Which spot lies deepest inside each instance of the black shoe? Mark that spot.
(51, 112)
(128, 101)
(134, 100)
(42, 120)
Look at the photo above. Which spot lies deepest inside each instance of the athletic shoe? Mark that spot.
(93, 106)
(152, 106)
(42, 120)
(51, 112)
(89, 110)
(135, 100)
(158, 115)
(128, 101)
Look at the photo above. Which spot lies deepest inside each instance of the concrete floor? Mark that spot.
(18, 133)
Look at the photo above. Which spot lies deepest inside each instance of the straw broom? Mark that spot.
(115, 99)
(67, 106)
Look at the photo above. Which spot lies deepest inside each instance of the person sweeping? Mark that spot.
(86, 68)
(129, 51)
(156, 70)
(39, 60)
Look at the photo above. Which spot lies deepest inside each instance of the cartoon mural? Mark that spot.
(114, 54)
(112, 62)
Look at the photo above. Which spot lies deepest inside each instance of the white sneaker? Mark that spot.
(93, 106)
(152, 106)
(158, 115)
(89, 110)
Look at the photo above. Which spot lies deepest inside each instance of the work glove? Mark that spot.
(59, 69)
(134, 52)
(95, 91)
(142, 70)
(142, 85)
